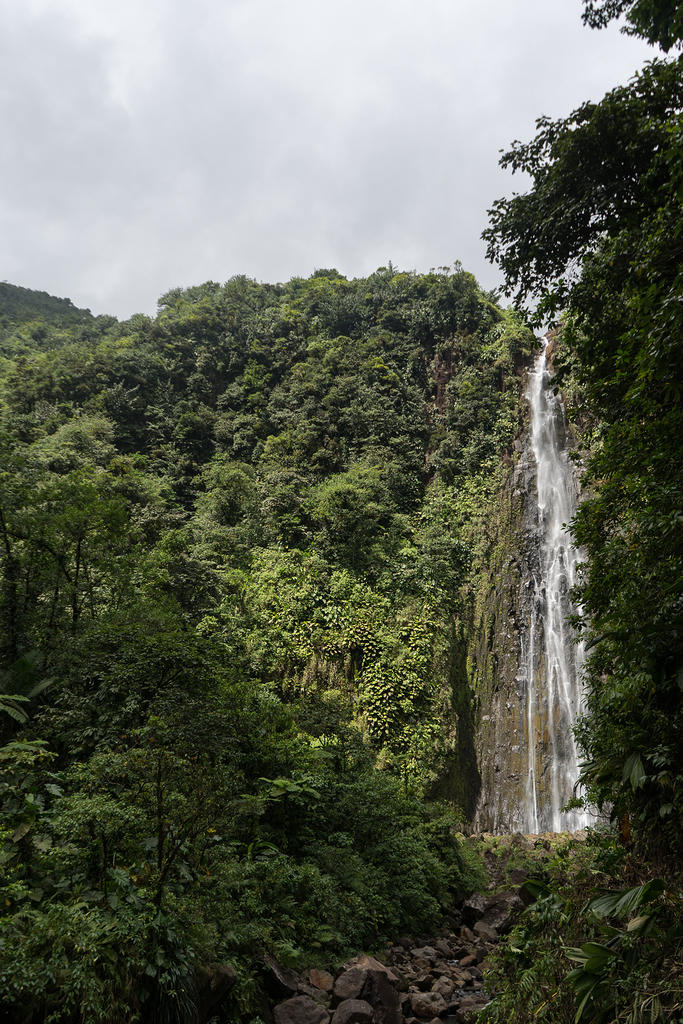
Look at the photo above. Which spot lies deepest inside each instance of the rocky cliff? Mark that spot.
(501, 614)
(509, 651)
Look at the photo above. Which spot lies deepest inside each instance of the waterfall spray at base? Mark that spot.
(551, 658)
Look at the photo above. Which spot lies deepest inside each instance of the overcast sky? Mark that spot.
(152, 143)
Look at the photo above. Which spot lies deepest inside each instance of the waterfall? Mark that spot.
(551, 658)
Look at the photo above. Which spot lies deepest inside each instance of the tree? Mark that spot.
(596, 175)
(600, 236)
(658, 21)
(229, 601)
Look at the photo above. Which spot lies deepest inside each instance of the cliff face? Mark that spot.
(495, 655)
(524, 732)
(460, 783)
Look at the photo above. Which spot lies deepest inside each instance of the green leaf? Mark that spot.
(624, 902)
(597, 955)
(634, 772)
(575, 954)
(41, 686)
(535, 888)
(584, 1001)
(639, 924)
(21, 830)
(16, 714)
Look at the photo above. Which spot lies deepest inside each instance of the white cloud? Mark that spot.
(149, 145)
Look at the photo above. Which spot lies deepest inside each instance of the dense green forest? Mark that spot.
(243, 544)
(239, 541)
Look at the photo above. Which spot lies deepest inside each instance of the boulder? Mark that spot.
(381, 993)
(278, 980)
(501, 910)
(317, 994)
(301, 1010)
(350, 983)
(443, 987)
(213, 985)
(421, 981)
(370, 963)
(469, 1009)
(401, 983)
(486, 931)
(467, 961)
(459, 950)
(460, 978)
(321, 979)
(473, 908)
(494, 910)
(353, 1011)
(426, 1005)
(425, 953)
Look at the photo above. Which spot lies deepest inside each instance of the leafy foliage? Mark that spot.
(626, 944)
(658, 21)
(233, 554)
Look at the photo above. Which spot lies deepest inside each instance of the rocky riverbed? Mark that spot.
(419, 979)
(411, 982)
(422, 979)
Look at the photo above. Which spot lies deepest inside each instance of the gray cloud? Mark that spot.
(157, 144)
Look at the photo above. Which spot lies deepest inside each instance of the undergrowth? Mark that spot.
(600, 943)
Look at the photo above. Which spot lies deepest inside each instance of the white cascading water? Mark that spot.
(552, 659)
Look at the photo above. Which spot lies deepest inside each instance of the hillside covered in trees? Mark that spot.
(239, 541)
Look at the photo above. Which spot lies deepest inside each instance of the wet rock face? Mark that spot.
(495, 659)
(524, 641)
